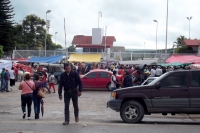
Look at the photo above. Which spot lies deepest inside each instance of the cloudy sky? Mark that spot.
(130, 21)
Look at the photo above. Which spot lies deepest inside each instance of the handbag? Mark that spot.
(40, 93)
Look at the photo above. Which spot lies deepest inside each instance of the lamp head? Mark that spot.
(56, 32)
(155, 20)
(48, 11)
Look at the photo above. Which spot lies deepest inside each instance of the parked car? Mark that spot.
(149, 80)
(173, 92)
(98, 78)
(57, 76)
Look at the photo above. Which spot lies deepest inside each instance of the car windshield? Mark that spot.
(155, 80)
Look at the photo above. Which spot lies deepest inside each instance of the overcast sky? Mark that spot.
(130, 21)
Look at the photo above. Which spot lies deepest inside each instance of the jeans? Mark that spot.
(16, 77)
(67, 96)
(113, 88)
(2, 84)
(36, 101)
(26, 99)
(6, 85)
(45, 86)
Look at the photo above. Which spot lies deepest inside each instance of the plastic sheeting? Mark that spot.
(85, 58)
(51, 59)
(183, 58)
(5, 64)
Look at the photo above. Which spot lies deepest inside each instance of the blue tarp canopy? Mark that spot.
(51, 59)
(175, 64)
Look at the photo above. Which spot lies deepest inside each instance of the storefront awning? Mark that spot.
(85, 58)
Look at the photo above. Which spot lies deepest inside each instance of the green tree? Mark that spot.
(72, 48)
(184, 49)
(179, 40)
(1, 51)
(6, 16)
(33, 31)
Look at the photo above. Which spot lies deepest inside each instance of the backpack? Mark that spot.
(127, 81)
(6, 75)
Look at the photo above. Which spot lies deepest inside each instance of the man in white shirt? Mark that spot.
(153, 72)
(158, 72)
(114, 81)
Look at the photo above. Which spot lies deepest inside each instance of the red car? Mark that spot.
(97, 79)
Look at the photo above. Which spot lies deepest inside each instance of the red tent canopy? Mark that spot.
(183, 59)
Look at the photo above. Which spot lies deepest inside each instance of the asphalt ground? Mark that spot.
(94, 117)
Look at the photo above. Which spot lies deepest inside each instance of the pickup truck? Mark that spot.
(173, 92)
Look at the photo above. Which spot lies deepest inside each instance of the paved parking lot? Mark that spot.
(93, 115)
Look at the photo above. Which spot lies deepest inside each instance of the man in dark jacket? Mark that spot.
(70, 80)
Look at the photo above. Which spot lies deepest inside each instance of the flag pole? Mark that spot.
(65, 43)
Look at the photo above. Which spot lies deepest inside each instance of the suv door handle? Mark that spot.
(184, 90)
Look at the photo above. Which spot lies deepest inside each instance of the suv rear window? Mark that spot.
(195, 80)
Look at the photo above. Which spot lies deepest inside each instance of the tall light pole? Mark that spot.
(189, 18)
(99, 15)
(166, 31)
(48, 11)
(156, 33)
(144, 49)
(55, 36)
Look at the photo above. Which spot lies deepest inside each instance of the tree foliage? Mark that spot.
(72, 48)
(184, 49)
(31, 34)
(1, 51)
(6, 16)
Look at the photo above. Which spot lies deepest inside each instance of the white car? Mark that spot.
(149, 80)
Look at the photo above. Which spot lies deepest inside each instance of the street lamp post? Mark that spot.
(166, 31)
(48, 11)
(144, 49)
(189, 18)
(55, 36)
(99, 15)
(156, 33)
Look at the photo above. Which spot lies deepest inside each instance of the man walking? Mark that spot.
(2, 80)
(70, 80)
(6, 79)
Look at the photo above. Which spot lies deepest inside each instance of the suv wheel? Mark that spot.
(132, 112)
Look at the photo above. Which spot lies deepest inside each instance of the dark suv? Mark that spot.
(173, 92)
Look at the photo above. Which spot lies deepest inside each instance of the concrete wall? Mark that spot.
(97, 34)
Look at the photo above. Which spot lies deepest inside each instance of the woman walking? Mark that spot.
(27, 88)
(37, 100)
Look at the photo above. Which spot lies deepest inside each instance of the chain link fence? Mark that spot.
(123, 56)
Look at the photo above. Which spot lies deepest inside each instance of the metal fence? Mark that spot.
(123, 56)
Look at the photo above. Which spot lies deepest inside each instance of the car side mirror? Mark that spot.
(158, 85)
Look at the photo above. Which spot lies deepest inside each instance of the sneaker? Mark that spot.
(7, 91)
(11, 88)
(29, 118)
(24, 115)
(65, 123)
(76, 119)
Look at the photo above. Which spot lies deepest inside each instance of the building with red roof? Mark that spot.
(195, 44)
(95, 43)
